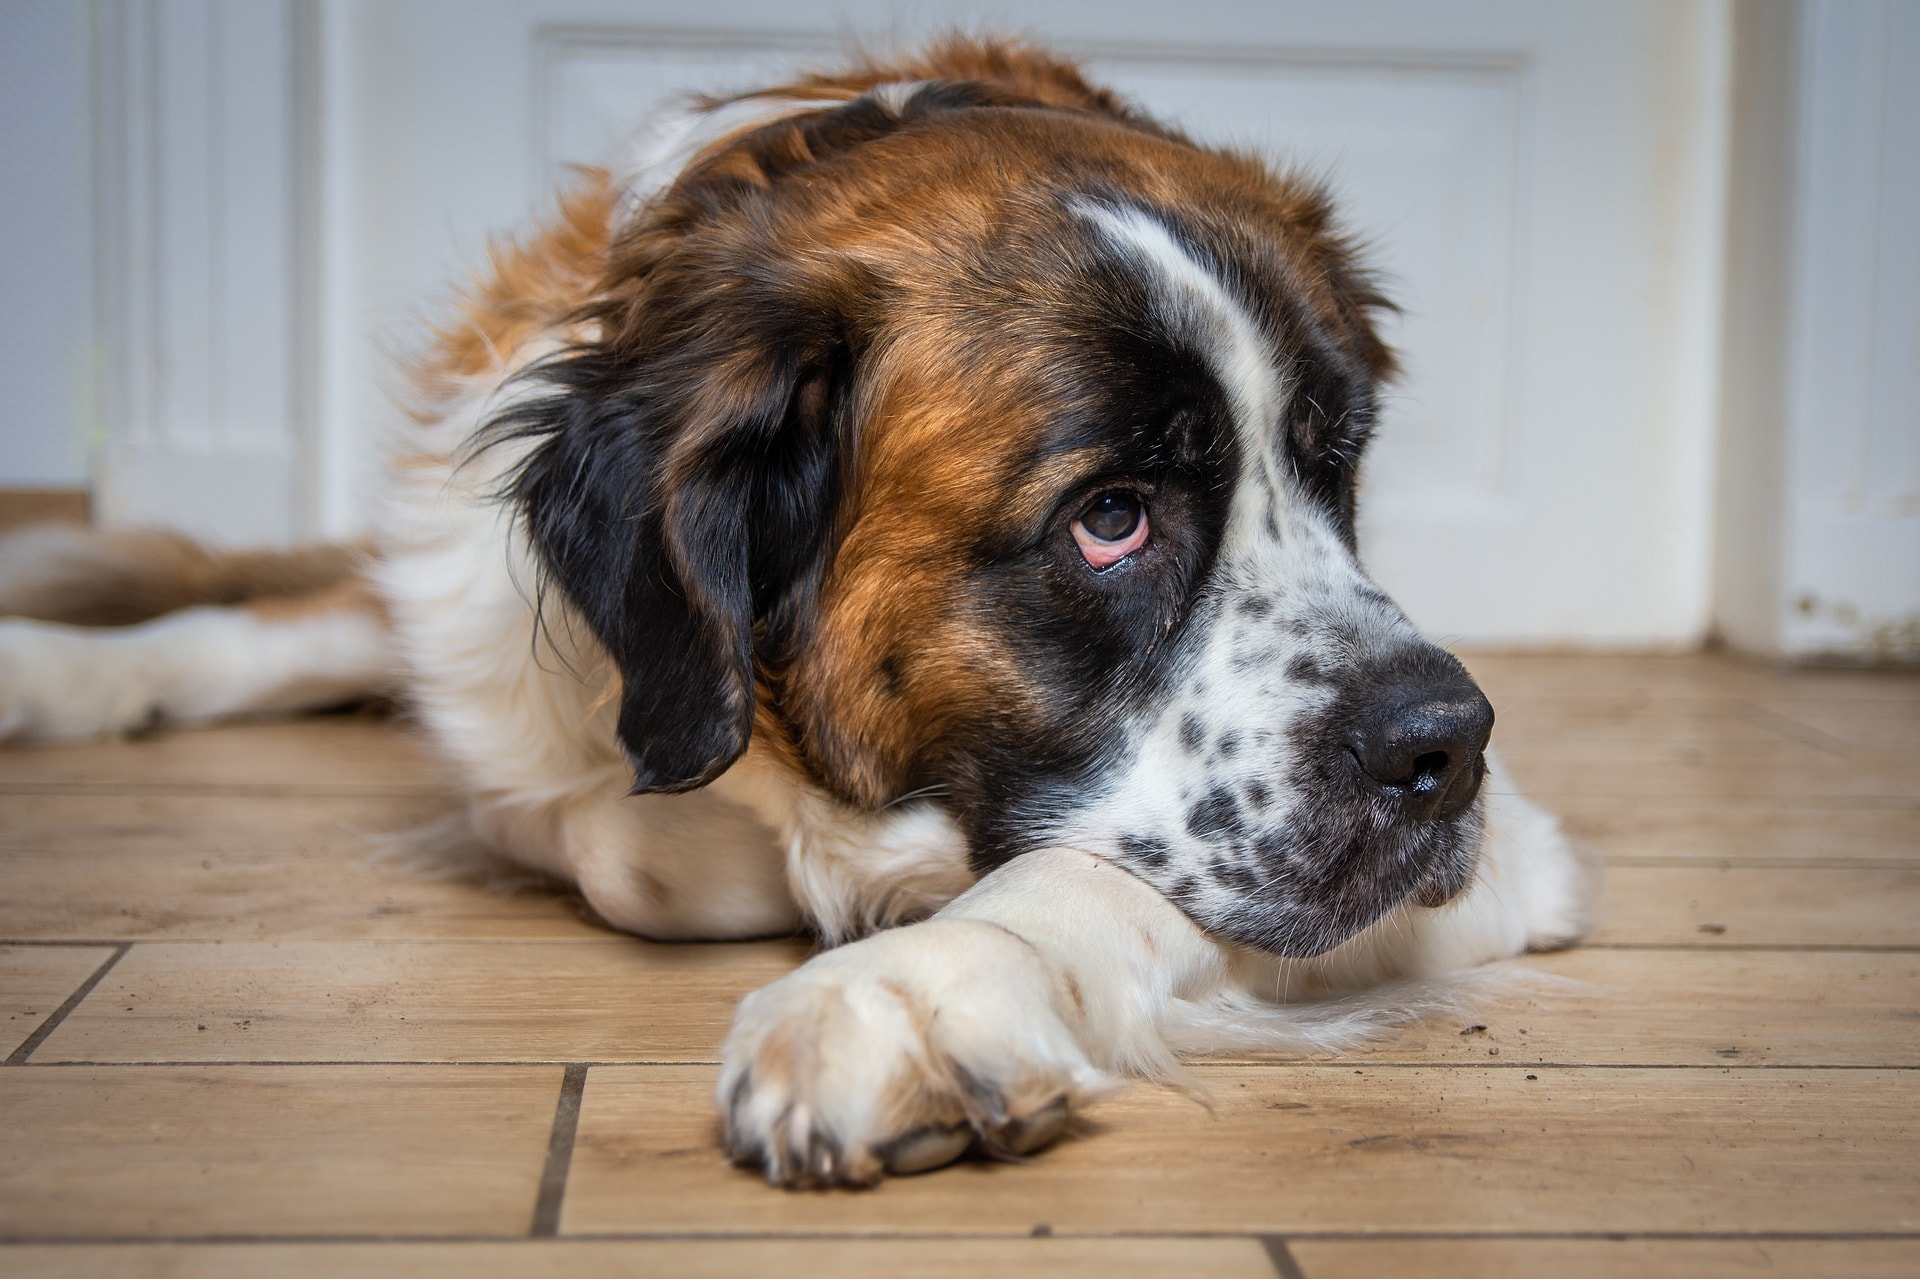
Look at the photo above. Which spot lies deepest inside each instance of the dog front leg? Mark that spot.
(991, 1022)
(692, 867)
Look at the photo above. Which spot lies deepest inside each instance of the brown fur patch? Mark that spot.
(354, 595)
(531, 287)
(119, 577)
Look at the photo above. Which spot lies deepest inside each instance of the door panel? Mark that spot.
(1541, 185)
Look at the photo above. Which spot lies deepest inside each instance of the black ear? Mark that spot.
(681, 502)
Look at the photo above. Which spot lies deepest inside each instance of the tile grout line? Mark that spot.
(553, 1176)
(1282, 1257)
(58, 1015)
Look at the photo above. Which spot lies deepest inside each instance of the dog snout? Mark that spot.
(1419, 738)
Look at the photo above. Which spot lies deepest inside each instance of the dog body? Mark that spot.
(920, 495)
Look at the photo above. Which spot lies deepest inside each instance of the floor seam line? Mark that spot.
(553, 1175)
(18, 1057)
(1282, 1257)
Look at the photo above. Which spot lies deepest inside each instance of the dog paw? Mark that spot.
(896, 1054)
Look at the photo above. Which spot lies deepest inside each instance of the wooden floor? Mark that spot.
(241, 1044)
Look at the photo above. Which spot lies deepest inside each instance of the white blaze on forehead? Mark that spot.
(1198, 307)
(1210, 771)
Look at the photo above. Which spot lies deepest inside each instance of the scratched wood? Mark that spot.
(1333, 1148)
(1787, 906)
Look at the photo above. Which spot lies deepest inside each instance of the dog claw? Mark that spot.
(1036, 1131)
(822, 1161)
(927, 1149)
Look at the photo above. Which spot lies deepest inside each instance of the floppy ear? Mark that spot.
(687, 470)
(681, 500)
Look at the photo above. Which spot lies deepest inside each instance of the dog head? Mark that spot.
(975, 438)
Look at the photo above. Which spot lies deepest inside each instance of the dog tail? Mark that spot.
(83, 576)
(105, 632)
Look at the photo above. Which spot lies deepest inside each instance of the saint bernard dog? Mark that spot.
(913, 504)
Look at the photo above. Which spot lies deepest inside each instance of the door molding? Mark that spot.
(200, 277)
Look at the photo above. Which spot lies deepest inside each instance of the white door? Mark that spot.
(1542, 184)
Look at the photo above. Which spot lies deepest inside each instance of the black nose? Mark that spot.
(1420, 734)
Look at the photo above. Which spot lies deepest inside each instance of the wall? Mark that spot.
(46, 357)
(1658, 267)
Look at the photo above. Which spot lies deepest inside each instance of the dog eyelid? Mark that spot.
(1113, 526)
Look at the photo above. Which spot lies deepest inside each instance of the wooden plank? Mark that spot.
(1527, 732)
(116, 1153)
(1735, 745)
(1850, 686)
(1800, 772)
(617, 999)
(134, 867)
(1516, 676)
(1675, 1008)
(1582, 714)
(331, 754)
(161, 823)
(1758, 906)
(251, 895)
(1780, 829)
(35, 980)
(1143, 1258)
(1324, 1149)
(1863, 725)
(1606, 1258)
(179, 866)
(624, 1000)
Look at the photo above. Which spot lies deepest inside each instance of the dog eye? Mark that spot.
(1113, 526)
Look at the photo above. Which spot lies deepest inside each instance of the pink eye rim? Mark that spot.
(1102, 553)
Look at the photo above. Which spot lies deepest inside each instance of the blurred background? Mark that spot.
(1659, 262)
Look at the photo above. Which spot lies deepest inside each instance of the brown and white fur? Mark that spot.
(914, 504)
